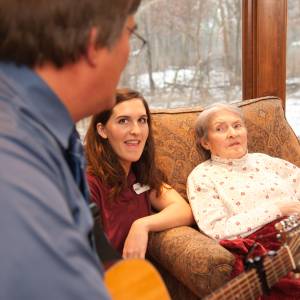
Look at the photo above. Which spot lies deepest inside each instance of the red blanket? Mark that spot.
(287, 288)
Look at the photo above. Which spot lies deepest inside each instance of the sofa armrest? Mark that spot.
(196, 260)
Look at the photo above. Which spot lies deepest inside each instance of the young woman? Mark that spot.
(124, 180)
(234, 194)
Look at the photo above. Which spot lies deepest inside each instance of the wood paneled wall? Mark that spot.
(264, 48)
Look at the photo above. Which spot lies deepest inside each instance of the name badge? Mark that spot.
(138, 188)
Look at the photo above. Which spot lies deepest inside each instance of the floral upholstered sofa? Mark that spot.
(191, 263)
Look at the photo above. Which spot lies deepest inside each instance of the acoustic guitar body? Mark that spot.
(135, 279)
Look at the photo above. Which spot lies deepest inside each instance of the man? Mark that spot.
(60, 61)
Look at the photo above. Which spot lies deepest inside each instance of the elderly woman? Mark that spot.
(234, 193)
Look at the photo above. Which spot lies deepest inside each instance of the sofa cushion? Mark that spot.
(194, 259)
(268, 132)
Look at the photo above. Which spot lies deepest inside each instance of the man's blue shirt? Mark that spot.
(44, 220)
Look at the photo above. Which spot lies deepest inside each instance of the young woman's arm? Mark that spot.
(173, 211)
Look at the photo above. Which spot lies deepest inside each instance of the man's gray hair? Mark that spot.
(36, 32)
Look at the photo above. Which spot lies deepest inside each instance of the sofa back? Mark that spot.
(176, 153)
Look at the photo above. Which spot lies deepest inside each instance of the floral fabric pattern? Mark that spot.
(232, 198)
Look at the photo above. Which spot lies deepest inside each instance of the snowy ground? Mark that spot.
(217, 88)
(293, 113)
(293, 103)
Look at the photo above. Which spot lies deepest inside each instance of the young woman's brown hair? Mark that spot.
(103, 161)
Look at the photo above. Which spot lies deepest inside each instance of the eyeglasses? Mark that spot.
(137, 42)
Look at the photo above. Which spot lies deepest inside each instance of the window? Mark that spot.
(193, 55)
(293, 66)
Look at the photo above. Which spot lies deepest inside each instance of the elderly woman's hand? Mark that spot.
(289, 207)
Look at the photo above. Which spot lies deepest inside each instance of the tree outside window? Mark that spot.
(193, 55)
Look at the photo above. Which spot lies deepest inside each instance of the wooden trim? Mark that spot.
(248, 49)
(264, 48)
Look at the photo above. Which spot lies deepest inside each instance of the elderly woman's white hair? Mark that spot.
(201, 125)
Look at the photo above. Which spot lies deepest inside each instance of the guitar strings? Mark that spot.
(277, 266)
(244, 284)
(240, 284)
(286, 261)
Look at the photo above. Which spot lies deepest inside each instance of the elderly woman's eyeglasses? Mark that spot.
(137, 42)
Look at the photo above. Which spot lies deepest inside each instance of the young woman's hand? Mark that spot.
(135, 245)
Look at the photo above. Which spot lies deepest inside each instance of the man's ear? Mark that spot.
(101, 130)
(204, 143)
(92, 49)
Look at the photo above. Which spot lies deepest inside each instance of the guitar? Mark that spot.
(247, 285)
(135, 279)
(126, 279)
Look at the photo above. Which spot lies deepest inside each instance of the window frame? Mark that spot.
(264, 33)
